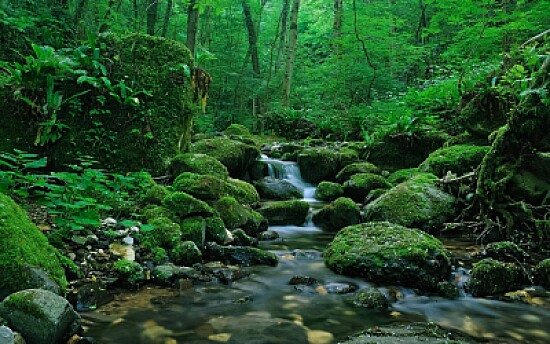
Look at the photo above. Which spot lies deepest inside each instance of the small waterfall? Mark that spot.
(289, 171)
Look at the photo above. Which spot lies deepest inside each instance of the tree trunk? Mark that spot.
(167, 16)
(287, 81)
(282, 34)
(152, 15)
(104, 27)
(192, 26)
(205, 31)
(422, 23)
(337, 28)
(365, 52)
(252, 47)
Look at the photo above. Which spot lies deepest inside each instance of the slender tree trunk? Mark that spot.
(136, 15)
(337, 28)
(282, 34)
(205, 31)
(167, 15)
(365, 51)
(422, 23)
(253, 48)
(287, 81)
(271, 53)
(152, 15)
(192, 26)
(79, 10)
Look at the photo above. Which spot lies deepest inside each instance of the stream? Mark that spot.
(265, 308)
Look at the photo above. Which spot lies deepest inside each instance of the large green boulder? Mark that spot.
(42, 317)
(27, 260)
(184, 205)
(241, 255)
(197, 163)
(186, 253)
(165, 233)
(482, 113)
(328, 191)
(122, 137)
(359, 185)
(277, 189)
(416, 203)
(402, 175)
(341, 213)
(490, 277)
(200, 229)
(542, 273)
(235, 215)
(237, 156)
(354, 168)
(458, 159)
(317, 165)
(387, 253)
(279, 213)
(399, 152)
(211, 188)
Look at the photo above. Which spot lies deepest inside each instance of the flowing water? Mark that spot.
(265, 308)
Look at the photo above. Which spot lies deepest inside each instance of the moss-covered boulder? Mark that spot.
(129, 272)
(415, 203)
(280, 213)
(402, 175)
(155, 194)
(184, 205)
(165, 233)
(200, 229)
(317, 165)
(237, 156)
(542, 273)
(328, 191)
(354, 168)
(482, 113)
(277, 189)
(186, 253)
(371, 298)
(235, 215)
(151, 212)
(341, 213)
(41, 317)
(237, 130)
(387, 253)
(399, 152)
(529, 187)
(24, 250)
(359, 185)
(505, 251)
(240, 255)
(490, 277)
(211, 188)
(197, 163)
(458, 159)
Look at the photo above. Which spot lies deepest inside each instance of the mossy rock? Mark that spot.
(341, 213)
(529, 187)
(396, 153)
(354, 168)
(235, 215)
(238, 157)
(347, 156)
(23, 248)
(402, 175)
(328, 191)
(129, 272)
(371, 298)
(201, 230)
(277, 189)
(359, 185)
(165, 233)
(459, 160)
(542, 273)
(490, 277)
(505, 251)
(317, 165)
(211, 188)
(186, 253)
(184, 205)
(416, 203)
(153, 211)
(482, 113)
(237, 130)
(155, 194)
(240, 255)
(197, 163)
(384, 252)
(280, 213)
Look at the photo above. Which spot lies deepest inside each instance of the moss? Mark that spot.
(371, 298)
(24, 303)
(359, 185)
(329, 191)
(186, 205)
(235, 215)
(357, 167)
(237, 129)
(197, 163)
(402, 175)
(415, 203)
(389, 253)
(152, 212)
(130, 271)
(542, 273)
(242, 255)
(337, 215)
(291, 212)
(159, 255)
(505, 251)
(165, 233)
(238, 157)
(193, 229)
(347, 156)
(23, 245)
(317, 165)
(243, 192)
(448, 290)
(457, 159)
(490, 277)
(155, 194)
(187, 253)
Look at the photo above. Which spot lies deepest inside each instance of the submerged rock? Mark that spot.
(277, 189)
(285, 212)
(388, 253)
(337, 215)
(458, 159)
(41, 317)
(240, 255)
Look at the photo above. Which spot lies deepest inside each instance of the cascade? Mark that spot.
(289, 171)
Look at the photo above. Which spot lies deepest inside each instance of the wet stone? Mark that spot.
(268, 235)
(339, 288)
(307, 254)
(303, 280)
